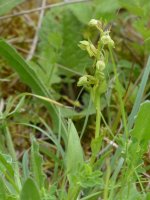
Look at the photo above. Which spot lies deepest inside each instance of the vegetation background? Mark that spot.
(48, 148)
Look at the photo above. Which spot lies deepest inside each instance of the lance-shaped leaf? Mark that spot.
(36, 164)
(2, 189)
(141, 130)
(30, 191)
(29, 77)
(7, 5)
(74, 154)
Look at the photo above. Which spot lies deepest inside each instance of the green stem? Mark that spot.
(97, 128)
(98, 107)
(98, 117)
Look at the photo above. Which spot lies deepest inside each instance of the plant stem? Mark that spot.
(98, 117)
(97, 128)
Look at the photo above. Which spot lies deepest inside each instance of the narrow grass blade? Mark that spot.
(49, 134)
(139, 95)
(114, 178)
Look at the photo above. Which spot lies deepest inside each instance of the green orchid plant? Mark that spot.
(96, 83)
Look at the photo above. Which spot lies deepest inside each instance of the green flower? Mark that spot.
(106, 40)
(100, 65)
(87, 80)
(93, 22)
(82, 81)
(89, 47)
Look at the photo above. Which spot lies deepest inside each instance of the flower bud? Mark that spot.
(89, 47)
(84, 44)
(100, 65)
(106, 40)
(82, 81)
(86, 80)
(93, 22)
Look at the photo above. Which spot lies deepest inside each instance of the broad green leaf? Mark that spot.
(129, 192)
(36, 164)
(48, 50)
(106, 9)
(83, 17)
(141, 130)
(136, 7)
(25, 72)
(29, 77)
(74, 154)
(72, 30)
(7, 5)
(49, 47)
(59, 38)
(30, 191)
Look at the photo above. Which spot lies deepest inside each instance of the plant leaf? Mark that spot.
(25, 163)
(2, 189)
(83, 17)
(106, 9)
(7, 5)
(30, 191)
(59, 39)
(29, 77)
(77, 60)
(74, 154)
(6, 164)
(139, 95)
(36, 164)
(141, 130)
